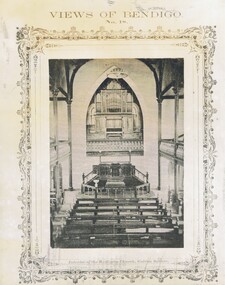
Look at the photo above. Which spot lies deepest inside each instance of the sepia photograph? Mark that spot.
(116, 153)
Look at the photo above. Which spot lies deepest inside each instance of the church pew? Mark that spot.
(107, 222)
(116, 228)
(115, 199)
(116, 209)
(114, 203)
(124, 239)
(118, 218)
(100, 227)
(100, 199)
(138, 229)
(127, 223)
(131, 243)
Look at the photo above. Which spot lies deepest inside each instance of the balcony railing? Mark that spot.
(124, 145)
(171, 148)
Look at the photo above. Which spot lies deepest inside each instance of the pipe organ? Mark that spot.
(114, 117)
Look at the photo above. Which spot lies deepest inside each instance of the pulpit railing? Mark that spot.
(88, 189)
(143, 188)
(140, 175)
(115, 171)
(88, 177)
(121, 192)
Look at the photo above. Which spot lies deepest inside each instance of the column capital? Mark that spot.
(69, 101)
(176, 90)
(55, 92)
(159, 100)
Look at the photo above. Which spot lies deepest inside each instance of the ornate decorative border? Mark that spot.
(201, 41)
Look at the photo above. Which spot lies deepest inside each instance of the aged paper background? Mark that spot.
(37, 14)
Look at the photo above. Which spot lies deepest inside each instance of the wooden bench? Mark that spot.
(117, 228)
(116, 199)
(115, 210)
(118, 218)
(168, 239)
(122, 200)
(128, 203)
(107, 222)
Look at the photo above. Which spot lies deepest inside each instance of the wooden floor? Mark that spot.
(120, 222)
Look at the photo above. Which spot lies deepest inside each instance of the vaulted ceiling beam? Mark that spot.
(62, 91)
(70, 78)
(158, 74)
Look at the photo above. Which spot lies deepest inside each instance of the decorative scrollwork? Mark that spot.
(32, 270)
(202, 269)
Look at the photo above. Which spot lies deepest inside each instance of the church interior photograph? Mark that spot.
(116, 153)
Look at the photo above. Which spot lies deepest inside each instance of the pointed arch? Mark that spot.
(118, 126)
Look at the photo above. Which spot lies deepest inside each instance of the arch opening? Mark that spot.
(114, 120)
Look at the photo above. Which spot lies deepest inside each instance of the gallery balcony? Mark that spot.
(118, 147)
